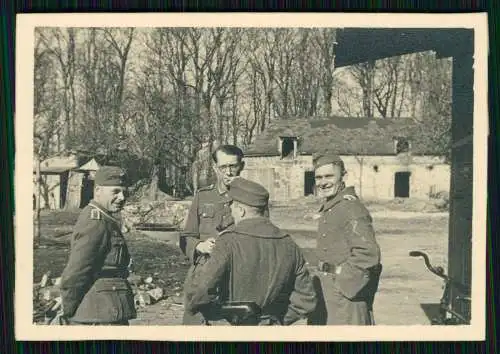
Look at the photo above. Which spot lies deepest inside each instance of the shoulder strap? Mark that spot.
(97, 213)
(350, 197)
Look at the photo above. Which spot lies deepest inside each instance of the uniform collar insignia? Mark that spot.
(347, 193)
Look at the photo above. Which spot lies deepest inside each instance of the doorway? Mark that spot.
(87, 190)
(402, 184)
(309, 183)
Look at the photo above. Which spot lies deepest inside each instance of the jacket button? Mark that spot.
(204, 214)
(323, 235)
(114, 288)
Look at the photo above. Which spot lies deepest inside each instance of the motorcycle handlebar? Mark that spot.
(439, 271)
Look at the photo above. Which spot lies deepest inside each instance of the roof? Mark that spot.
(61, 164)
(352, 43)
(92, 165)
(344, 136)
(57, 164)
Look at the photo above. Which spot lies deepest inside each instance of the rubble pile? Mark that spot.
(147, 291)
(157, 212)
(46, 297)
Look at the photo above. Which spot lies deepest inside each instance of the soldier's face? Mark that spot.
(328, 180)
(113, 198)
(227, 167)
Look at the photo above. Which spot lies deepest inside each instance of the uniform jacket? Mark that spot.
(256, 262)
(346, 240)
(209, 214)
(94, 286)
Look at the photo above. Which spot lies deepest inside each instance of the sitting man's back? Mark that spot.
(255, 262)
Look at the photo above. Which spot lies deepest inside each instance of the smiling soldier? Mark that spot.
(349, 266)
(94, 286)
(209, 215)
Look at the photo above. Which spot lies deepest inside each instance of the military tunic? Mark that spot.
(94, 286)
(346, 242)
(256, 262)
(209, 215)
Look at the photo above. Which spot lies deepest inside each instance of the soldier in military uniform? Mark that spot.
(254, 262)
(349, 268)
(208, 216)
(94, 286)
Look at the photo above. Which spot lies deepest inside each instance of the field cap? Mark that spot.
(110, 176)
(322, 159)
(248, 193)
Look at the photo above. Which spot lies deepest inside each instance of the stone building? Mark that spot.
(384, 158)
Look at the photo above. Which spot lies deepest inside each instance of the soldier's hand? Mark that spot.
(206, 247)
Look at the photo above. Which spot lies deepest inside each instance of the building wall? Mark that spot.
(285, 178)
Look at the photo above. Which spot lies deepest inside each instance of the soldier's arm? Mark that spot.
(205, 291)
(188, 243)
(86, 257)
(353, 274)
(303, 299)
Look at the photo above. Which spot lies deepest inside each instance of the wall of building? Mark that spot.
(283, 178)
(372, 176)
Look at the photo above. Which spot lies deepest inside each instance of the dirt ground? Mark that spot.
(407, 290)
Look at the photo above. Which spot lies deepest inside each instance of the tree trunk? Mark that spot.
(153, 187)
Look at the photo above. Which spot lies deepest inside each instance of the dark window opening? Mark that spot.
(402, 145)
(287, 147)
(87, 190)
(402, 184)
(309, 183)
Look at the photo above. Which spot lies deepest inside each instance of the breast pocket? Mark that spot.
(209, 219)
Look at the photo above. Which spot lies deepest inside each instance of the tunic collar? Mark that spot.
(260, 227)
(340, 196)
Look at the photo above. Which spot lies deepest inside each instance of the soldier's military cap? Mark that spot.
(248, 192)
(110, 176)
(321, 159)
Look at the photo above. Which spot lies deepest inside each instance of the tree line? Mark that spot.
(156, 98)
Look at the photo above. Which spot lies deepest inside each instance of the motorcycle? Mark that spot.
(447, 315)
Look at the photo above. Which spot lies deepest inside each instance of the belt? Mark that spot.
(113, 273)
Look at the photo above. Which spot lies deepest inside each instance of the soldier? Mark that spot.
(94, 286)
(209, 214)
(349, 257)
(254, 262)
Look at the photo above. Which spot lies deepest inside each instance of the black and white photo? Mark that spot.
(193, 174)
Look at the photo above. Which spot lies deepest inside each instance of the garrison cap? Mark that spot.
(321, 159)
(248, 192)
(110, 176)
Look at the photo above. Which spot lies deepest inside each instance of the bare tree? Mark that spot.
(386, 85)
(325, 40)
(364, 74)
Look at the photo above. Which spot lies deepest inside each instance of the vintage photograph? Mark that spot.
(211, 175)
